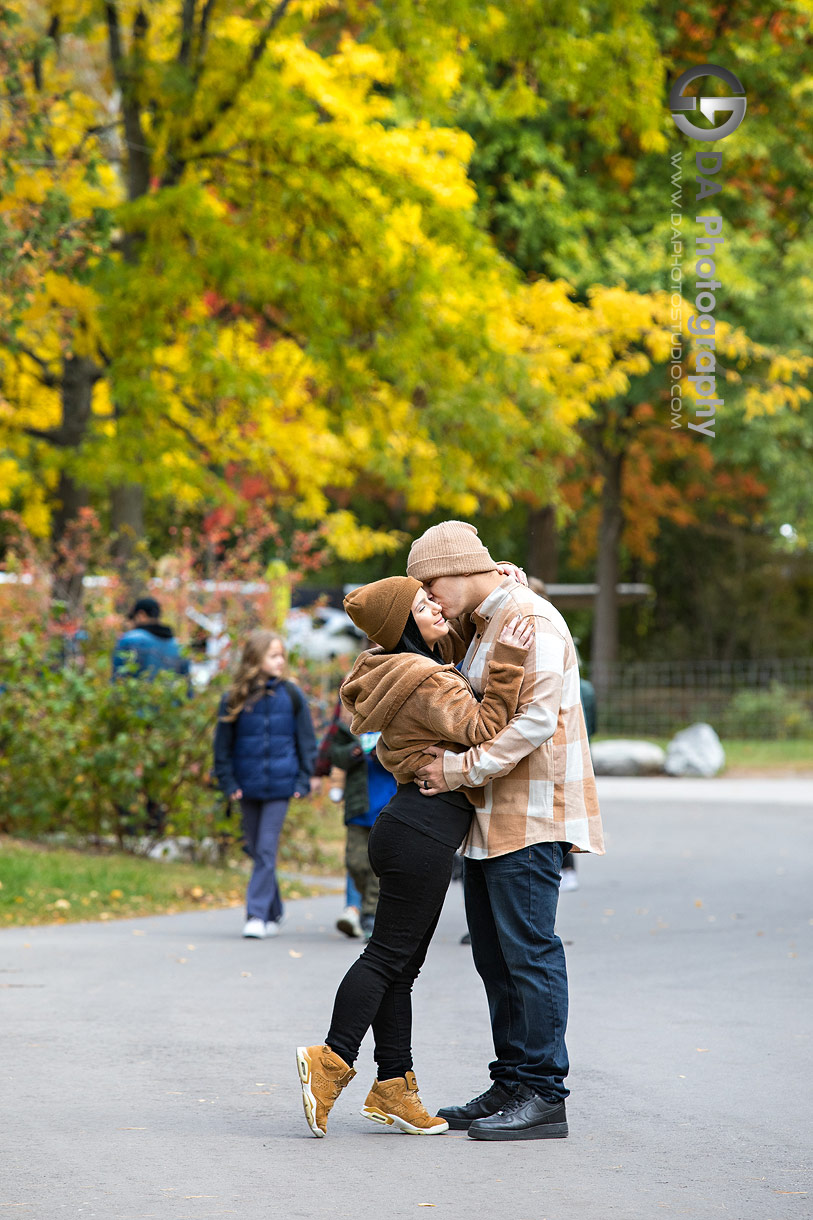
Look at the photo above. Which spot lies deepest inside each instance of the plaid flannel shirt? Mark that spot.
(536, 775)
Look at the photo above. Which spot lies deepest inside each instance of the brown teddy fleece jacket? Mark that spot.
(414, 702)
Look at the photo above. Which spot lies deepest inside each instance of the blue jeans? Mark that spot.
(262, 824)
(352, 895)
(511, 910)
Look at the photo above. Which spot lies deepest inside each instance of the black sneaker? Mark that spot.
(460, 1118)
(526, 1116)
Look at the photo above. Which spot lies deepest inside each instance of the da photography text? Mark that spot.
(706, 239)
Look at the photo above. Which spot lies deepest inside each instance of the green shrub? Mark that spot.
(80, 756)
(773, 712)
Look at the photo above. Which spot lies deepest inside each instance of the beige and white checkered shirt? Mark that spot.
(536, 775)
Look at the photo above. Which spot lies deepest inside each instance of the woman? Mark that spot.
(404, 691)
(265, 751)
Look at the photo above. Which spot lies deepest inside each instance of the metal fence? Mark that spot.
(764, 698)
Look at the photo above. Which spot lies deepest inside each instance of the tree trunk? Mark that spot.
(127, 499)
(127, 520)
(542, 548)
(67, 576)
(605, 625)
(79, 375)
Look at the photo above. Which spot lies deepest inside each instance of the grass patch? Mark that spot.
(768, 756)
(44, 885)
(748, 756)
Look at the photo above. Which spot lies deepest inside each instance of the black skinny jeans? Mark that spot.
(414, 872)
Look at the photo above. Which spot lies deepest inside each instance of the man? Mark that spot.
(147, 648)
(536, 797)
(569, 880)
(149, 645)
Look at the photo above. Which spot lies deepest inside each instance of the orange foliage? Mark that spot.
(666, 476)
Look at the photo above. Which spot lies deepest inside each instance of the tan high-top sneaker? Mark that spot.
(323, 1075)
(397, 1102)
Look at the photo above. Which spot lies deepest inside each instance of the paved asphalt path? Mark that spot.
(147, 1066)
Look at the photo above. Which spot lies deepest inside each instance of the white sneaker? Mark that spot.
(255, 929)
(273, 926)
(569, 880)
(349, 923)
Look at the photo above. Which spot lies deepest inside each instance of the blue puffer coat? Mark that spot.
(269, 751)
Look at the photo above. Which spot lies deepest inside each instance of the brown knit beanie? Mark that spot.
(449, 549)
(381, 609)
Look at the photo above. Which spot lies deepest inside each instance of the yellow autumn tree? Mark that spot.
(226, 255)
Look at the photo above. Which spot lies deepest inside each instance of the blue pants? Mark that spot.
(511, 910)
(262, 823)
(352, 895)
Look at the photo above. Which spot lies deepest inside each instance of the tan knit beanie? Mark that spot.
(381, 609)
(449, 549)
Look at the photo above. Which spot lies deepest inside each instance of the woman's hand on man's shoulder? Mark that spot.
(519, 633)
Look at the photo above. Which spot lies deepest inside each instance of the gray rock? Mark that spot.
(182, 848)
(695, 751)
(627, 758)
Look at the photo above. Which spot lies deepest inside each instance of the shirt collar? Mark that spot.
(489, 606)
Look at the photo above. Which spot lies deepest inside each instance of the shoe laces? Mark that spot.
(521, 1094)
(488, 1093)
(413, 1099)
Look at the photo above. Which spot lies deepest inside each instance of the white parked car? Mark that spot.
(322, 634)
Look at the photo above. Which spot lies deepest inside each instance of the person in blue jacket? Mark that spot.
(265, 753)
(149, 645)
(146, 649)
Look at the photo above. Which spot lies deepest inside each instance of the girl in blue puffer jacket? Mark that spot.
(265, 753)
